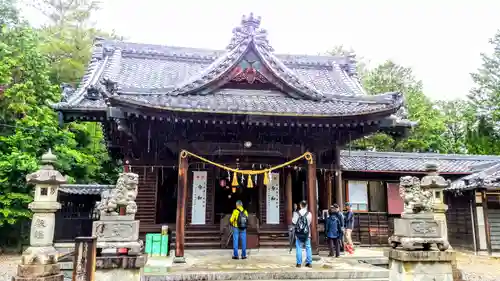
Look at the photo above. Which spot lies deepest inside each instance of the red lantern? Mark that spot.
(222, 182)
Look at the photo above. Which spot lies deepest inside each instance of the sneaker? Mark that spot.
(244, 258)
(298, 265)
(309, 265)
(236, 258)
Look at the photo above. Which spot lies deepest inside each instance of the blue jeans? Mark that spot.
(298, 250)
(237, 234)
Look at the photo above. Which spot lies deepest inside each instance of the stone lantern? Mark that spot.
(436, 184)
(39, 261)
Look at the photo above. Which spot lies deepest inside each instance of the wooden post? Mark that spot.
(339, 194)
(312, 204)
(288, 196)
(486, 223)
(85, 256)
(329, 190)
(181, 208)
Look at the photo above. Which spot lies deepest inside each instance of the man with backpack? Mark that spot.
(239, 222)
(302, 226)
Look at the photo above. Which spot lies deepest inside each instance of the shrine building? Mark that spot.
(180, 117)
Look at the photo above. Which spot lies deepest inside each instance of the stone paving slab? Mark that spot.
(260, 265)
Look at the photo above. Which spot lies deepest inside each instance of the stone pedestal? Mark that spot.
(117, 233)
(418, 231)
(420, 265)
(119, 268)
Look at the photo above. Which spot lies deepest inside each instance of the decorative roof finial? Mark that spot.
(249, 31)
(49, 158)
(250, 22)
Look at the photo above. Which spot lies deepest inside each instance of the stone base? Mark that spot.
(420, 265)
(115, 230)
(58, 277)
(39, 255)
(28, 270)
(120, 262)
(118, 274)
(134, 248)
(179, 260)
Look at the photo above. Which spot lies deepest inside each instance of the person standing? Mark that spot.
(239, 222)
(349, 225)
(333, 231)
(340, 216)
(302, 226)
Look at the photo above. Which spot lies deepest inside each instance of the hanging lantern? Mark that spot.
(266, 179)
(235, 180)
(250, 183)
(222, 182)
(233, 189)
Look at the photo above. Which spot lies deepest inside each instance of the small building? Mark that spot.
(478, 196)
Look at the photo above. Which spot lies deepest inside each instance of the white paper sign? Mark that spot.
(273, 199)
(198, 208)
(358, 194)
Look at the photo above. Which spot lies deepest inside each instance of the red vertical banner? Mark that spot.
(395, 204)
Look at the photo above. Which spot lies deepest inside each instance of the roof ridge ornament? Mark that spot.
(250, 31)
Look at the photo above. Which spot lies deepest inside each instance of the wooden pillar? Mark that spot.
(486, 223)
(339, 194)
(329, 189)
(312, 204)
(181, 208)
(85, 259)
(288, 197)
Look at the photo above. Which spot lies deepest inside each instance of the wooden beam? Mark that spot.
(339, 194)
(181, 208)
(484, 200)
(288, 197)
(312, 204)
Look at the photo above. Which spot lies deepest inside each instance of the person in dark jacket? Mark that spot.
(333, 231)
(340, 215)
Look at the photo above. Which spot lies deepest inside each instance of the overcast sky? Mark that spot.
(440, 40)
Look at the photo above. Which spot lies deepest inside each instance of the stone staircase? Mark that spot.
(273, 238)
(200, 237)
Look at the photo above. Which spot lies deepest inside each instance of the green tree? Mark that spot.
(29, 126)
(428, 135)
(67, 41)
(482, 129)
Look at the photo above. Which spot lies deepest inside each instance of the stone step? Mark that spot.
(367, 274)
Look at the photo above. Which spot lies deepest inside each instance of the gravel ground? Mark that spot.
(474, 268)
(479, 268)
(8, 266)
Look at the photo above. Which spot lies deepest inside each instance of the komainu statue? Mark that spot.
(417, 228)
(123, 195)
(415, 198)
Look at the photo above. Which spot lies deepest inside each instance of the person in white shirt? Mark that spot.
(302, 225)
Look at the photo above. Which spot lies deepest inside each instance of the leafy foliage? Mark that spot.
(483, 115)
(29, 127)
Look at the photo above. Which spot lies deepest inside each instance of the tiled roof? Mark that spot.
(411, 162)
(189, 79)
(84, 189)
(488, 177)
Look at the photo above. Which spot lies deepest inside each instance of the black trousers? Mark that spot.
(334, 244)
